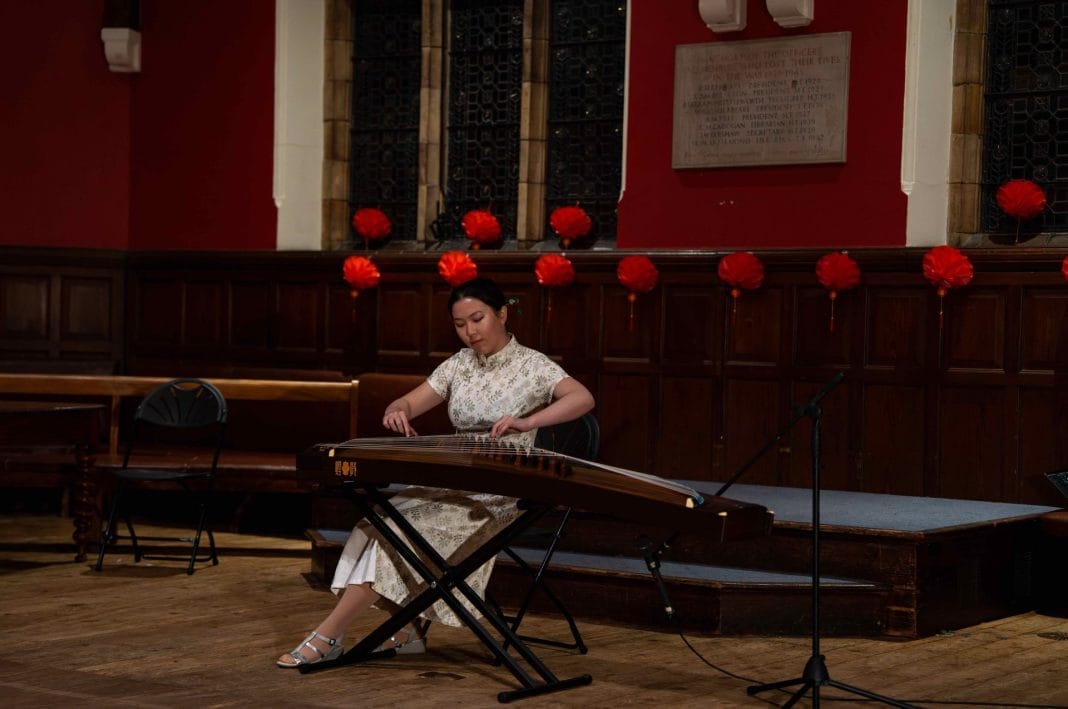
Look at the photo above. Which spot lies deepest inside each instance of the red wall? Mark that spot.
(179, 156)
(203, 127)
(858, 203)
(64, 129)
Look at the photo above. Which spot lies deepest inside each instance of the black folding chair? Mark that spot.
(190, 411)
(580, 438)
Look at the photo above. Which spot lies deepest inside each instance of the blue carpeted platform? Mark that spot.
(871, 511)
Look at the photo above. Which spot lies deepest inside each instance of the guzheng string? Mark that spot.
(482, 444)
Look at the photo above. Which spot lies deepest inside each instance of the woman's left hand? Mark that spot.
(509, 424)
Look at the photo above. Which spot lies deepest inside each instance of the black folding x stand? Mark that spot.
(440, 586)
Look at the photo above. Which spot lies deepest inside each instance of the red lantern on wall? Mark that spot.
(570, 223)
(456, 268)
(945, 267)
(553, 271)
(1022, 200)
(638, 275)
(1064, 268)
(371, 224)
(481, 227)
(361, 274)
(837, 272)
(741, 270)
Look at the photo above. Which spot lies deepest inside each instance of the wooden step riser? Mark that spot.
(701, 609)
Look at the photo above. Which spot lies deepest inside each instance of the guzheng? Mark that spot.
(478, 464)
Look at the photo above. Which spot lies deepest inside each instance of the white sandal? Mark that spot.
(299, 658)
(413, 642)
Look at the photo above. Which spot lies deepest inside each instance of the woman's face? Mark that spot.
(479, 326)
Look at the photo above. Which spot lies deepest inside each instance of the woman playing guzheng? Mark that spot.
(495, 385)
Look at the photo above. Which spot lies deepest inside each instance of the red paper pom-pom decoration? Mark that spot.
(481, 227)
(554, 270)
(1022, 199)
(837, 271)
(457, 268)
(946, 267)
(638, 275)
(371, 224)
(360, 273)
(741, 270)
(570, 223)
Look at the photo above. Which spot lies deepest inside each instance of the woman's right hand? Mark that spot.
(397, 421)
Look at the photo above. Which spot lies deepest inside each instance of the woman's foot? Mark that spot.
(409, 641)
(314, 648)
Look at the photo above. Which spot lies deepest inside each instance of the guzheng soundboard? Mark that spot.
(478, 464)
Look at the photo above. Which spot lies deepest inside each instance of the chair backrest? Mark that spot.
(1059, 478)
(580, 438)
(186, 404)
(183, 403)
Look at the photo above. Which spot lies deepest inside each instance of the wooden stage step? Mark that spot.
(891, 566)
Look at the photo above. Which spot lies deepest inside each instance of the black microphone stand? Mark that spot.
(815, 674)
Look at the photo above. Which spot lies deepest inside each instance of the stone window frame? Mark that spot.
(966, 139)
(337, 116)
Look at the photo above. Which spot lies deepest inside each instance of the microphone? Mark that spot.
(652, 562)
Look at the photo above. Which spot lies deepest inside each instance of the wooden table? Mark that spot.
(32, 427)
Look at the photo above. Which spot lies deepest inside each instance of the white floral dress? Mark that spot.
(515, 381)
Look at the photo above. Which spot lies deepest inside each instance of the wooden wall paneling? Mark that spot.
(628, 419)
(85, 313)
(157, 315)
(250, 316)
(402, 326)
(1038, 448)
(974, 330)
(443, 339)
(299, 319)
(204, 316)
(350, 345)
(26, 306)
(690, 332)
(567, 320)
(526, 315)
(625, 339)
(892, 440)
(896, 322)
(971, 441)
(686, 429)
(815, 343)
(978, 408)
(753, 332)
(1044, 330)
(751, 417)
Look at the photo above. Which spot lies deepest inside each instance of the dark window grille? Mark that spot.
(384, 150)
(586, 49)
(1026, 119)
(484, 90)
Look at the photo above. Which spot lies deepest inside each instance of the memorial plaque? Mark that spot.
(761, 102)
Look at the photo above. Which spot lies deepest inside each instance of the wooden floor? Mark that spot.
(148, 635)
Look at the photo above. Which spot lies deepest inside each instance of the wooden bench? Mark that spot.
(257, 456)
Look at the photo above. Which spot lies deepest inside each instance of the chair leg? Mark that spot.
(108, 535)
(196, 539)
(203, 526)
(138, 554)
